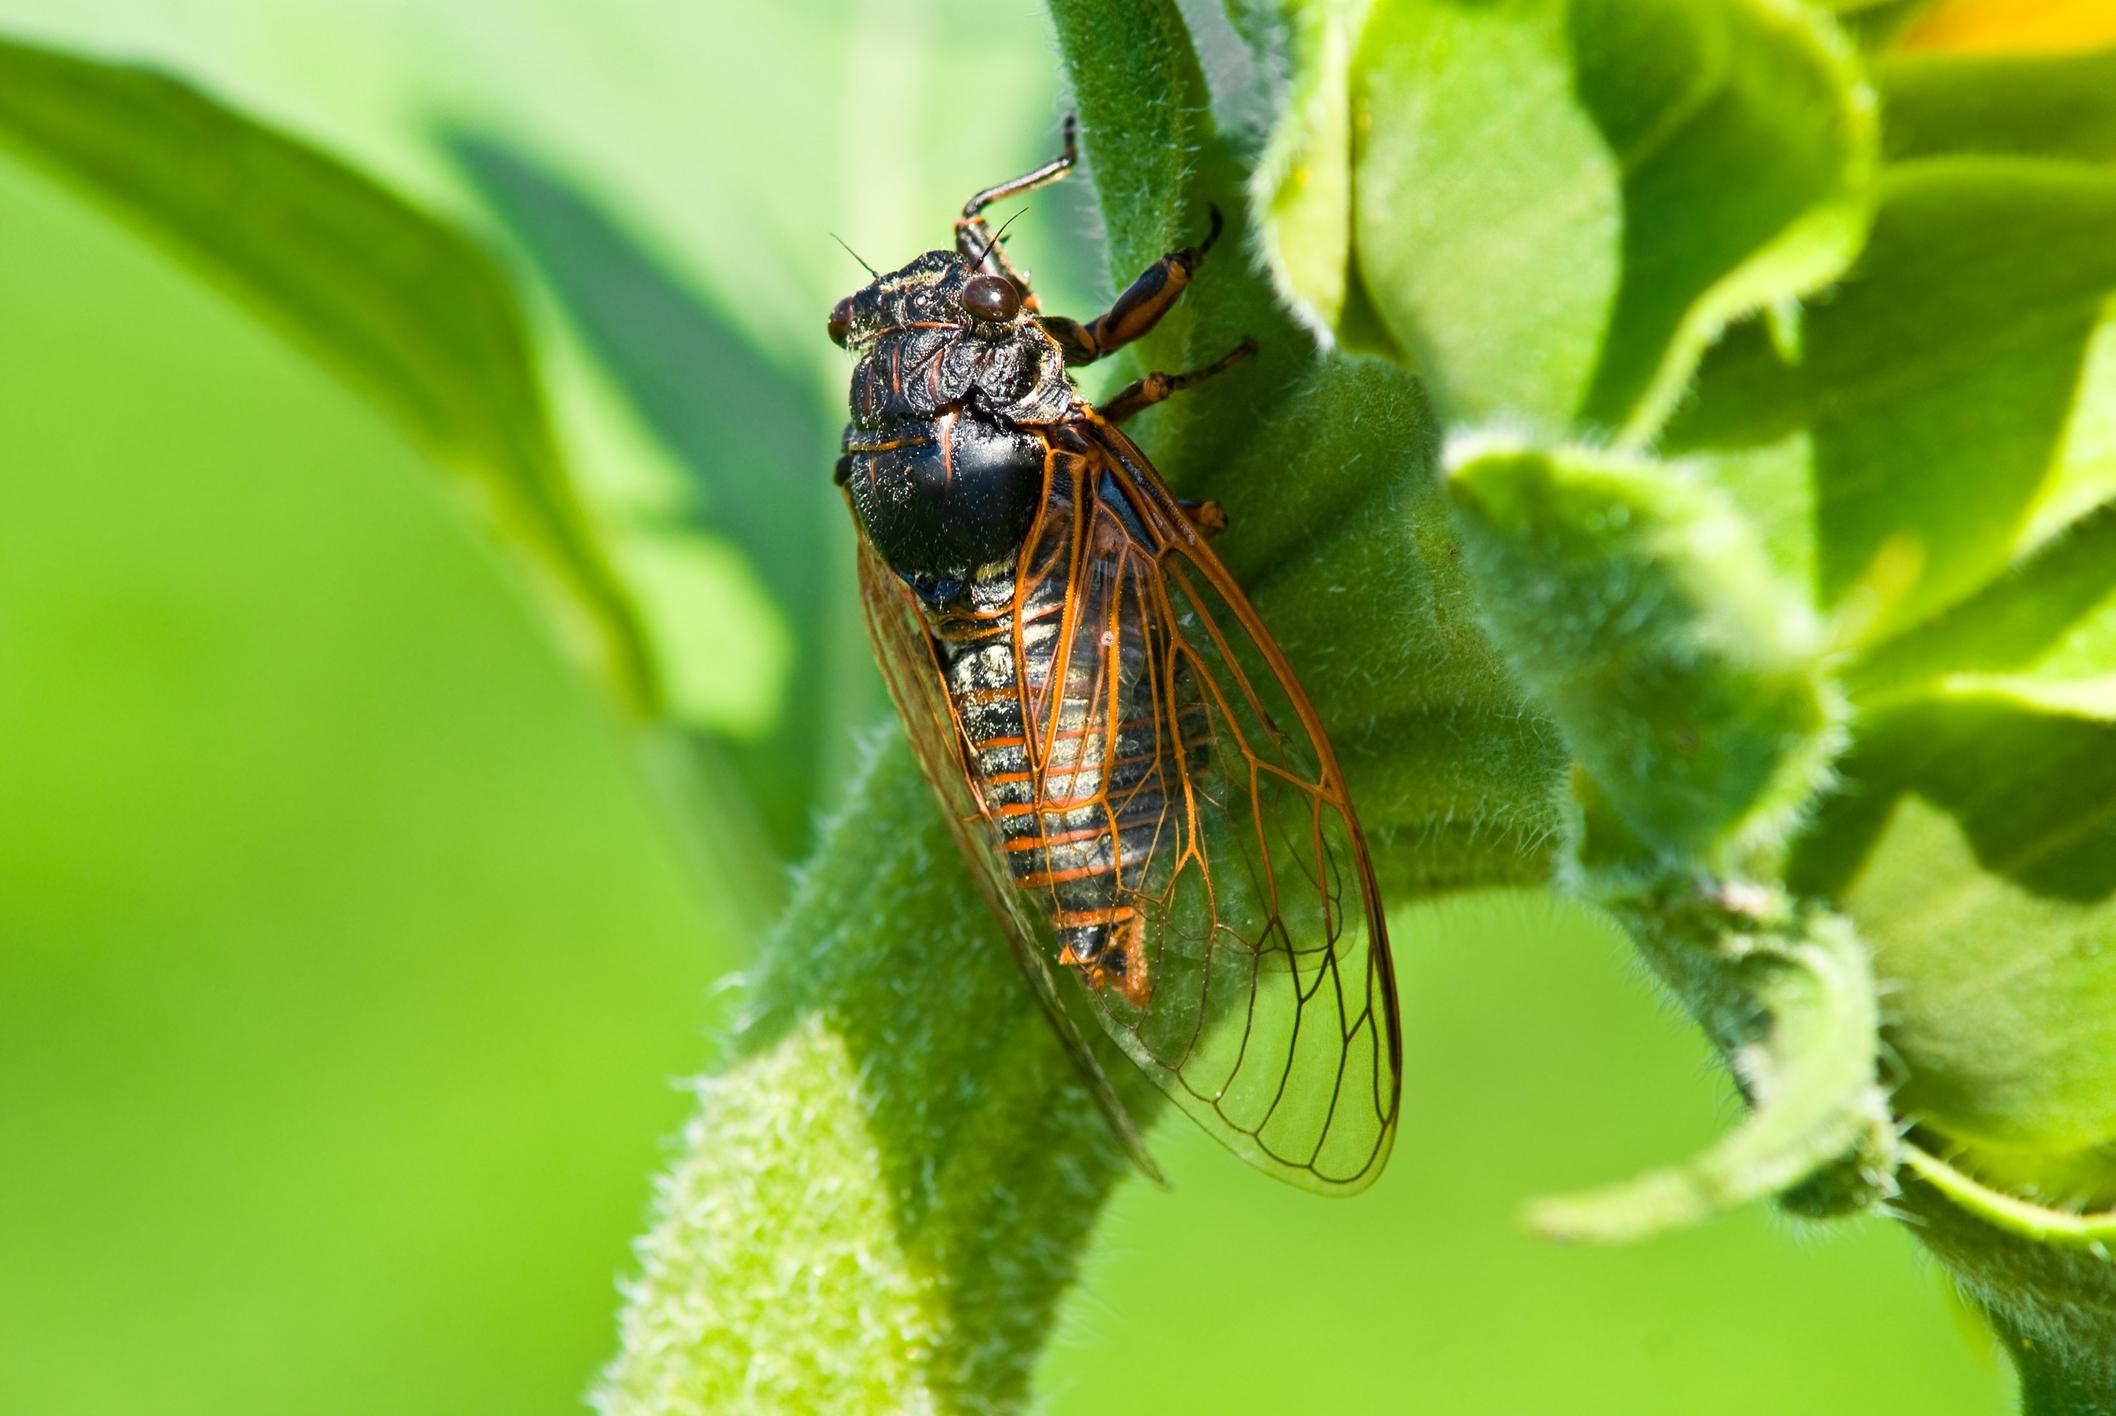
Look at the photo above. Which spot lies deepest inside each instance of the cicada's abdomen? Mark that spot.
(1078, 833)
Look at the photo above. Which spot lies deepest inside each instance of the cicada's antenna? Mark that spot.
(856, 255)
(993, 244)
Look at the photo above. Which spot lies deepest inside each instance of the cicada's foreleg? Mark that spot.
(1138, 309)
(974, 236)
(1146, 392)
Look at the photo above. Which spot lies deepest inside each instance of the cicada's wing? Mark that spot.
(903, 646)
(1269, 1006)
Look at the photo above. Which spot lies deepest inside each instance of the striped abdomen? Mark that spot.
(1078, 833)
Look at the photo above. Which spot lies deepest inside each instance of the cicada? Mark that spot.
(1143, 790)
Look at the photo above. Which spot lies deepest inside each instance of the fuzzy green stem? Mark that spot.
(885, 1193)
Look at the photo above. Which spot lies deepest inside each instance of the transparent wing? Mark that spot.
(1267, 1010)
(903, 646)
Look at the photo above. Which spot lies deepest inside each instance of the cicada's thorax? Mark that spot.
(945, 454)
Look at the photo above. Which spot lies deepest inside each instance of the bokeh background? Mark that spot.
(349, 966)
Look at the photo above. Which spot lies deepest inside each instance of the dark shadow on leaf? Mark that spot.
(744, 429)
(1936, 380)
(2034, 793)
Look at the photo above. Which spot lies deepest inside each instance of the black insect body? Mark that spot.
(944, 460)
(1122, 752)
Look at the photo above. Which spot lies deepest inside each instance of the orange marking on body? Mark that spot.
(889, 446)
(1112, 914)
(1060, 877)
(997, 630)
(1064, 838)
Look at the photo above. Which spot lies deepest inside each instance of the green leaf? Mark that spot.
(1302, 186)
(2051, 617)
(1976, 843)
(2025, 105)
(737, 421)
(402, 305)
(1144, 123)
(1686, 680)
(1539, 211)
(1416, 703)
(1949, 402)
(1355, 565)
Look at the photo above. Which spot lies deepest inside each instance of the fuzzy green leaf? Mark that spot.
(1415, 702)
(1788, 998)
(403, 306)
(1686, 680)
(1302, 188)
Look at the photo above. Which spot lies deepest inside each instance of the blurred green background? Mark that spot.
(349, 966)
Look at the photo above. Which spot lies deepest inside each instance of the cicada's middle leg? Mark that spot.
(974, 236)
(1156, 386)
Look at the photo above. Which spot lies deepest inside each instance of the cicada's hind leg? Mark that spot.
(974, 237)
(1138, 309)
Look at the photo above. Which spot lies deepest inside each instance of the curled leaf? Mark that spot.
(1638, 609)
(1788, 997)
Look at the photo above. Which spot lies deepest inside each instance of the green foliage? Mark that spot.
(1638, 608)
(1934, 404)
(1568, 263)
(343, 957)
(928, 1188)
(400, 304)
(1780, 465)
(1883, 503)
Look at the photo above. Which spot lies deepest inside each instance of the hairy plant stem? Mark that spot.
(886, 1191)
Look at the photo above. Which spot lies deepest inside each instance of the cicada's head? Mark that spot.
(938, 289)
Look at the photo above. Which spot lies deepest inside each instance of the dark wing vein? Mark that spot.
(1271, 1016)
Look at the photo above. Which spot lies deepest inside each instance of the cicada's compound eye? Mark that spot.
(991, 297)
(841, 321)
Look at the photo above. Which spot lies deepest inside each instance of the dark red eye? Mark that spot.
(990, 297)
(841, 320)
